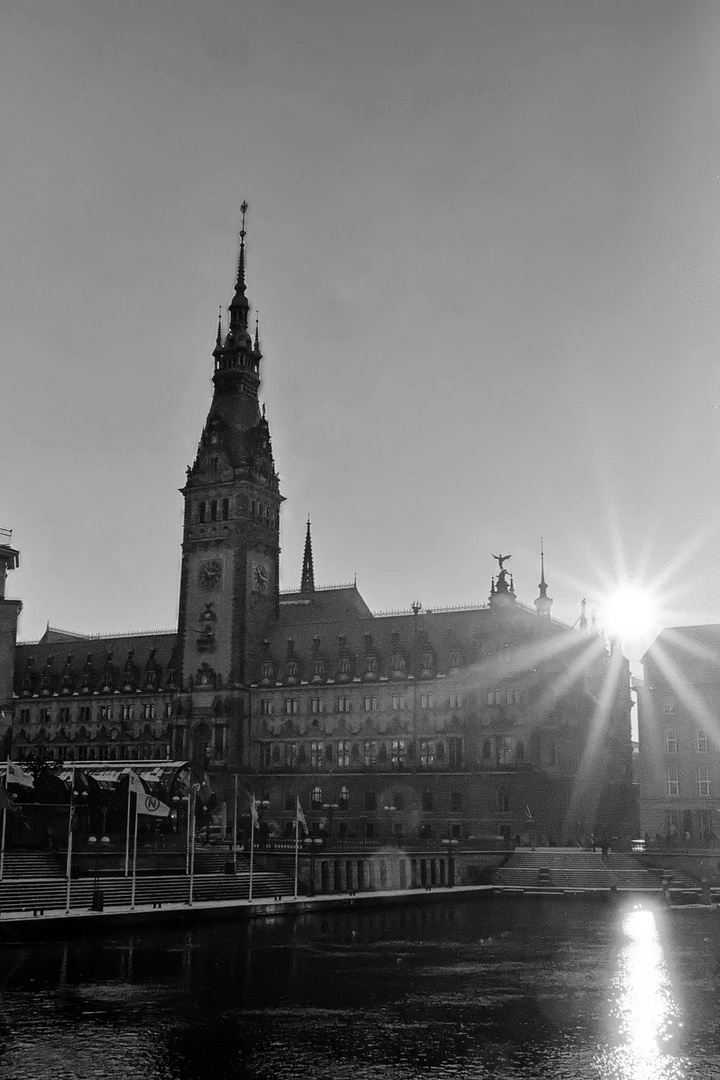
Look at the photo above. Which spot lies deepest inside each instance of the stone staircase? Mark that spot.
(26, 894)
(572, 870)
(29, 865)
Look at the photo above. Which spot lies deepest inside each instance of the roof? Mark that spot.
(696, 647)
(60, 657)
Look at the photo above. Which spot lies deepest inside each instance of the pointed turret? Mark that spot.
(307, 582)
(543, 603)
(239, 305)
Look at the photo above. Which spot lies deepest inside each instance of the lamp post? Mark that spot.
(98, 898)
(451, 845)
(312, 842)
(328, 808)
(389, 810)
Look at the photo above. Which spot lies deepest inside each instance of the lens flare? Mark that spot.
(630, 612)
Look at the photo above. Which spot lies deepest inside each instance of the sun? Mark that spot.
(630, 612)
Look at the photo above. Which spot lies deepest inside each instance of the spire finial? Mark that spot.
(307, 582)
(240, 283)
(218, 340)
(257, 331)
(543, 604)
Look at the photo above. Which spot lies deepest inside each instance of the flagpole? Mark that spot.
(187, 833)
(191, 816)
(252, 844)
(70, 839)
(234, 829)
(4, 823)
(127, 830)
(134, 873)
(297, 849)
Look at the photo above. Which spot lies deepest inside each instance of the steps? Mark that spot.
(572, 870)
(30, 895)
(33, 864)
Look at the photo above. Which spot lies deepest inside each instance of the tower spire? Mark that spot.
(239, 306)
(543, 604)
(307, 582)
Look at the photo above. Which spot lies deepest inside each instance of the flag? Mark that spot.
(528, 814)
(16, 775)
(136, 785)
(301, 817)
(253, 811)
(151, 806)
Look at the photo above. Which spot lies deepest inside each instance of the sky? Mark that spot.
(483, 240)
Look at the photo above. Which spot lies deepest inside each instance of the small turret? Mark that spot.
(543, 603)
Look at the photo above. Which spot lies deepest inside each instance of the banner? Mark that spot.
(152, 807)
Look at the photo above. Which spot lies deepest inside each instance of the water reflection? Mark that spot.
(520, 991)
(644, 1008)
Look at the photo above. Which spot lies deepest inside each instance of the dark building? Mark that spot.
(451, 723)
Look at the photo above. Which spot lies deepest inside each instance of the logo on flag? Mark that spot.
(16, 775)
(301, 817)
(152, 807)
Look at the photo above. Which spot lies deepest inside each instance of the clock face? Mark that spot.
(210, 574)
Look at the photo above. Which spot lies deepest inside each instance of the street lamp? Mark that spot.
(312, 842)
(98, 897)
(389, 810)
(328, 807)
(451, 845)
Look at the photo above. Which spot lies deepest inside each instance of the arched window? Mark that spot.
(213, 510)
(427, 799)
(201, 513)
(520, 751)
(486, 749)
(344, 798)
(316, 798)
(225, 509)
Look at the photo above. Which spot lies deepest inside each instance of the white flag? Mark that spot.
(253, 811)
(136, 785)
(151, 806)
(17, 776)
(301, 817)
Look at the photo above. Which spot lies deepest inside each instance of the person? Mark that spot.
(604, 848)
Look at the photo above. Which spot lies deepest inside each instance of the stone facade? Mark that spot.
(678, 707)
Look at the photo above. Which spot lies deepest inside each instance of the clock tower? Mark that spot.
(229, 589)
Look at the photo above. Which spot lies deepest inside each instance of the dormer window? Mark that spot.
(268, 671)
(371, 666)
(398, 664)
(214, 464)
(454, 660)
(319, 669)
(344, 665)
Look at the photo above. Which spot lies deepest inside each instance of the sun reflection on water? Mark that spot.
(644, 1010)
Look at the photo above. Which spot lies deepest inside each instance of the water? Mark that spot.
(463, 989)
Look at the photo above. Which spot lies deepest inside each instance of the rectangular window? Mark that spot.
(266, 706)
(455, 753)
(219, 742)
(343, 704)
(671, 742)
(427, 701)
(128, 711)
(370, 804)
(168, 710)
(292, 754)
(317, 754)
(427, 752)
(343, 753)
(370, 753)
(703, 742)
(44, 715)
(370, 704)
(64, 716)
(24, 716)
(455, 700)
(398, 702)
(397, 754)
(317, 705)
(84, 714)
(455, 802)
(703, 780)
(672, 784)
(106, 712)
(292, 706)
